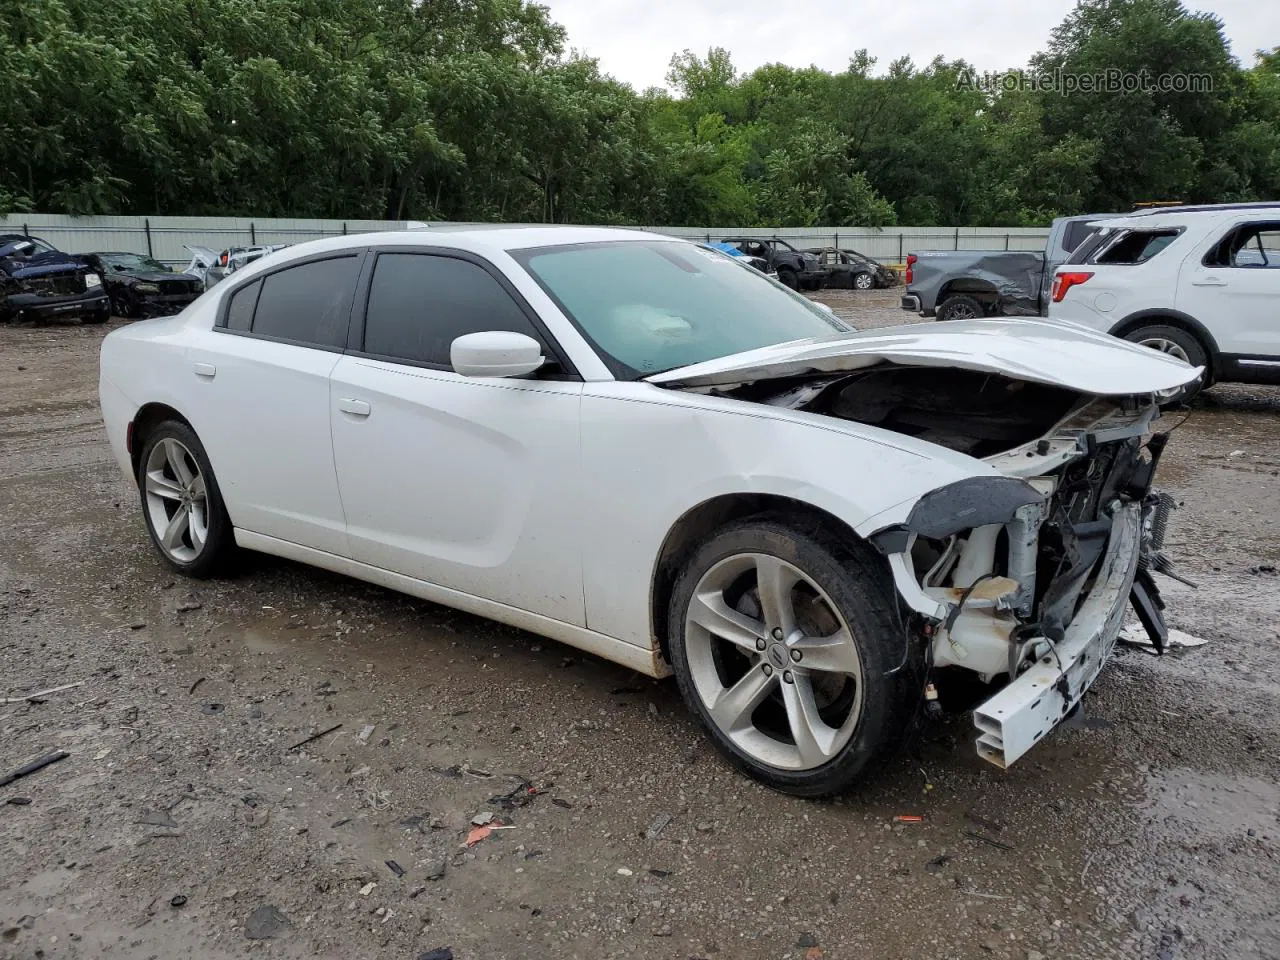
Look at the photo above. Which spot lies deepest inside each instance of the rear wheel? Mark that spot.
(960, 307)
(1175, 342)
(784, 646)
(181, 502)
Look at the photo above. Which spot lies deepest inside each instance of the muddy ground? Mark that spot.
(1147, 828)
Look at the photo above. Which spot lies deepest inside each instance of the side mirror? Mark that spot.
(495, 353)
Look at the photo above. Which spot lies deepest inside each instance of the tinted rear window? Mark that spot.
(1076, 233)
(309, 303)
(240, 309)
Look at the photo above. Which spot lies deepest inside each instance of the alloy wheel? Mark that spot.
(863, 281)
(773, 662)
(177, 500)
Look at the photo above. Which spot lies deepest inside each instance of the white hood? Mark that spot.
(1058, 354)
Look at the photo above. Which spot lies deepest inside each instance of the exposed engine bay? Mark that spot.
(1020, 578)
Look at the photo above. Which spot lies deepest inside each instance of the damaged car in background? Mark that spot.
(851, 270)
(966, 284)
(40, 283)
(651, 451)
(140, 286)
(210, 267)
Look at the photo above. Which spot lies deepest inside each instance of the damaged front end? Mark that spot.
(1021, 572)
(1023, 578)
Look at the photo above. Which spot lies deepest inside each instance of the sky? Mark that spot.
(634, 39)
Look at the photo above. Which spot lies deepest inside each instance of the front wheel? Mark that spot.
(181, 501)
(863, 281)
(1176, 343)
(788, 278)
(784, 646)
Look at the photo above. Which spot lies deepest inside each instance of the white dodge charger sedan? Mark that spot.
(639, 447)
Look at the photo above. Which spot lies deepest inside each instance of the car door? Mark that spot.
(1234, 289)
(262, 376)
(467, 483)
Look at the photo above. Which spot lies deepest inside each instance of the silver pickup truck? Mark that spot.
(965, 284)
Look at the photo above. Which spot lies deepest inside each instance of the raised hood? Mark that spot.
(1057, 354)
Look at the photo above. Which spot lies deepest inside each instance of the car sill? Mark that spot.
(648, 662)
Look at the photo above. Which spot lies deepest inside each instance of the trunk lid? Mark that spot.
(1056, 354)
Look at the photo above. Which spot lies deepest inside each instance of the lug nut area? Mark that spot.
(787, 677)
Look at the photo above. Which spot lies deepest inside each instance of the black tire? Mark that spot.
(219, 543)
(1194, 351)
(122, 305)
(787, 277)
(864, 281)
(859, 585)
(960, 306)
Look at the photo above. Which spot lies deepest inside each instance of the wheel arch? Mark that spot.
(968, 286)
(1182, 321)
(148, 417)
(700, 521)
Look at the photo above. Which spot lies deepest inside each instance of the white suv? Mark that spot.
(1201, 283)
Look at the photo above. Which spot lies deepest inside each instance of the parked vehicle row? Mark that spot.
(1200, 283)
(459, 414)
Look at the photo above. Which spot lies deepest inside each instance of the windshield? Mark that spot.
(652, 305)
(26, 247)
(127, 262)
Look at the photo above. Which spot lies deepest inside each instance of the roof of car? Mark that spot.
(1179, 216)
(479, 238)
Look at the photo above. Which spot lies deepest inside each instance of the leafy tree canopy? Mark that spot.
(473, 110)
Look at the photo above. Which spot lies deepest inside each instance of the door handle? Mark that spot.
(357, 408)
(203, 369)
(1209, 282)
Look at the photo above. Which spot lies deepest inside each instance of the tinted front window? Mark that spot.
(240, 308)
(309, 303)
(419, 304)
(654, 305)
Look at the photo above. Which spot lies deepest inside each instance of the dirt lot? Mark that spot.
(1150, 827)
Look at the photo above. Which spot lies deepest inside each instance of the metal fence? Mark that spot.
(891, 244)
(164, 238)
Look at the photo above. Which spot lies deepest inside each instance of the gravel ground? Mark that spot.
(186, 821)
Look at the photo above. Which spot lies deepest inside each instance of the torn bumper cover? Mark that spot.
(1030, 581)
(1020, 715)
